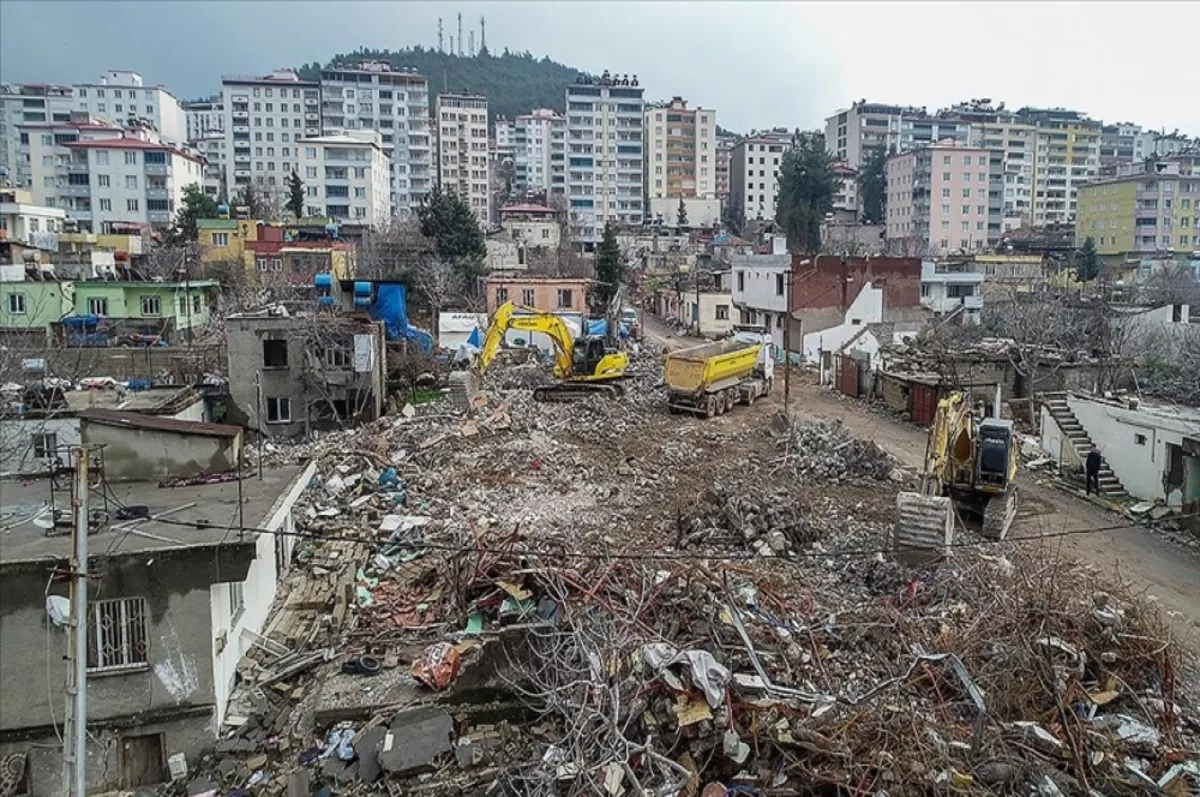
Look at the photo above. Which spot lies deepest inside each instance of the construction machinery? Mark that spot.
(711, 378)
(970, 459)
(583, 366)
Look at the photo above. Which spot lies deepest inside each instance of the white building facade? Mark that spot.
(204, 119)
(27, 104)
(212, 149)
(121, 96)
(347, 177)
(754, 174)
(462, 145)
(605, 155)
(43, 148)
(128, 180)
(681, 151)
(372, 95)
(532, 136)
(759, 291)
(264, 117)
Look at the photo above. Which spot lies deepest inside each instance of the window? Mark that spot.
(310, 152)
(310, 171)
(1139, 439)
(945, 160)
(741, 278)
(16, 303)
(237, 602)
(945, 193)
(220, 239)
(151, 305)
(501, 295)
(130, 158)
(275, 353)
(945, 177)
(98, 306)
(279, 410)
(966, 193)
(44, 445)
(131, 205)
(131, 182)
(106, 204)
(722, 312)
(102, 181)
(527, 297)
(564, 297)
(117, 635)
(779, 284)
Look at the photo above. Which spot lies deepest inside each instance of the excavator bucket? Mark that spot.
(464, 386)
(924, 528)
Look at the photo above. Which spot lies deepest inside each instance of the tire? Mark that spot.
(750, 396)
(710, 407)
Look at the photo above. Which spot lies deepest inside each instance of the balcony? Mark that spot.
(158, 193)
(239, 115)
(311, 117)
(157, 169)
(74, 167)
(242, 173)
(241, 129)
(158, 216)
(75, 190)
(241, 158)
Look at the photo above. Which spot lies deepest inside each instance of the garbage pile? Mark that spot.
(523, 601)
(826, 451)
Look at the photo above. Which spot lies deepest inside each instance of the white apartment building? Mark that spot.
(462, 139)
(27, 223)
(506, 134)
(204, 119)
(851, 135)
(24, 104)
(372, 95)
(264, 117)
(533, 135)
(605, 155)
(121, 96)
(43, 149)
(347, 177)
(754, 173)
(1129, 143)
(681, 151)
(212, 148)
(129, 180)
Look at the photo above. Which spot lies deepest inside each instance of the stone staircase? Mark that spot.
(1056, 404)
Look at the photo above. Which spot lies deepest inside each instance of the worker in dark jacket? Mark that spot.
(1092, 468)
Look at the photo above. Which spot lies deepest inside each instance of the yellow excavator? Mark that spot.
(586, 366)
(972, 460)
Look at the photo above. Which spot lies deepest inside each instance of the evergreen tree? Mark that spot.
(457, 237)
(250, 199)
(610, 269)
(295, 202)
(1087, 263)
(681, 215)
(196, 205)
(872, 187)
(807, 184)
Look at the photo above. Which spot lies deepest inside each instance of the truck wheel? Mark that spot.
(750, 395)
(710, 407)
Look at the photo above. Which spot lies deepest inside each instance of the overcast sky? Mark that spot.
(758, 64)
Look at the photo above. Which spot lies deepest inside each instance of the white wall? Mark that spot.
(258, 593)
(710, 325)
(867, 308)
(16, 442)
(1140, 467)
(700, 212)
(758, 286)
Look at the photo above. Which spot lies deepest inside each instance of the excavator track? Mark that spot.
(574, 391)
(999, 514)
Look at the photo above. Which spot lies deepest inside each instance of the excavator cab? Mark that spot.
(589, 351)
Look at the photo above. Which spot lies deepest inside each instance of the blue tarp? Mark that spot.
(391, 307)
(476, 338)
(600, 327)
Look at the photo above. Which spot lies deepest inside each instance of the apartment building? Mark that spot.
(26, 104)
(851, 135)
(943, 198)
(1126, 142)
(845, 201)
(373, 95)
(754, 173)
(506, 133)
(1067, 156)
(212, 148)
(530, 145)
(680, 151)
(121, 97)
(1148, 209)
(204, 118)
(462, 148)
(42, 147)
(264, 116)
(347, 177)
(605, 158)
(724, 153)
(126, 180)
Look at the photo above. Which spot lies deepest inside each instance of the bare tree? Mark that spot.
(1173, 285)
(439, 284)
(394, 252)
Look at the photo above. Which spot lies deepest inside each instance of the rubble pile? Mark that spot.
(600, 597)
(826, 451)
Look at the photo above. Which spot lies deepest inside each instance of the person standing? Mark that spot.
(1092, 469)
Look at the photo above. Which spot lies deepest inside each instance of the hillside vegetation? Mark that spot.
(514, 83)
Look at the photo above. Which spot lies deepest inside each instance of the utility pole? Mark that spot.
(787, 340)
(75, 723)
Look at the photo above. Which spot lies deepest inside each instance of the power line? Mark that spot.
(650, 555)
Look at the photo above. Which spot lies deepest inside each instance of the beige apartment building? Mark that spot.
(681, 151)
(940, 200)
(462, 150)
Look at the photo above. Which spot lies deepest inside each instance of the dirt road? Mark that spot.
(1151, 564)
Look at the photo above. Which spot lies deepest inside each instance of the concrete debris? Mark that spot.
(602, 597)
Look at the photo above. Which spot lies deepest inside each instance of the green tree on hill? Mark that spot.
(807, 184)
(610, 269)
(457, 237)
(295, 202)
(196, 205)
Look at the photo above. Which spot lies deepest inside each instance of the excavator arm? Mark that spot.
(506, 318)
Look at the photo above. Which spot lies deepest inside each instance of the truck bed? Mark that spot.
(708, 365)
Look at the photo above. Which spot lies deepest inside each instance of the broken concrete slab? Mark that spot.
(415, 739)
(367, 750)
(200, 786)
(299, 783)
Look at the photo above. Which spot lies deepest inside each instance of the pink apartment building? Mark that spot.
(943, 198)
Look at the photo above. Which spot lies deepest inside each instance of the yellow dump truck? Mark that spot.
(710, 378)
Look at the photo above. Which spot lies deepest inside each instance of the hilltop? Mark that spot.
(514, 83)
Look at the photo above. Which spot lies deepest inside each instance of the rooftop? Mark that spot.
(130, 143)
(526, 208)
(26, 511)
(136, 420)
(158, 400)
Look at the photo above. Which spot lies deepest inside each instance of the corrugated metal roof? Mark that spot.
(137, 420)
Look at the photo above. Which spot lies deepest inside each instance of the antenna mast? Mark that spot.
(460, 49)
(482, 33)
(440, 35)
(471, 44)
